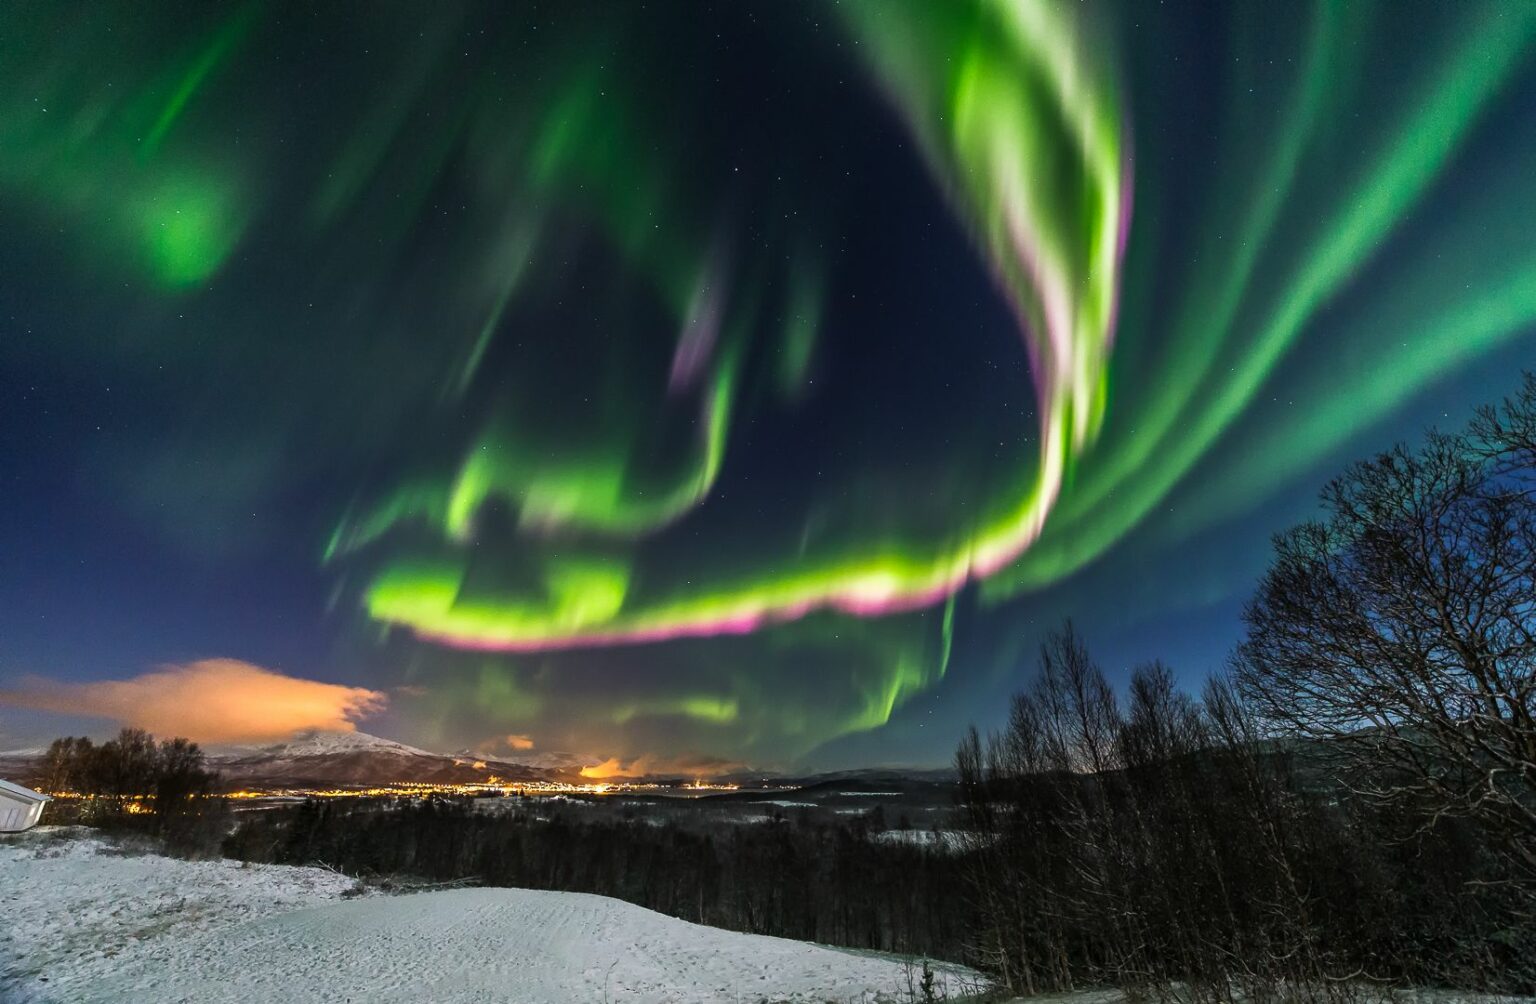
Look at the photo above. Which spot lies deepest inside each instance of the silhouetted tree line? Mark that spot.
(826, 882)
(1354, 803)
(132, 782)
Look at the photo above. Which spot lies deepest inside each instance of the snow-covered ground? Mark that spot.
(76, 908)
(84, 924)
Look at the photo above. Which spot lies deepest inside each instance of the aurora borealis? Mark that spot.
(751, 381)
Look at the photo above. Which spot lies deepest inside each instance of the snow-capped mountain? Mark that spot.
(356, 758)
(306, 744)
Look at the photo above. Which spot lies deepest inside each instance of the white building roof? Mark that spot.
(25, 794)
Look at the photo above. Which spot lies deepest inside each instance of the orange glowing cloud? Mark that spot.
(650, 766)
(212, 700)
(520, 742)
(611, 767)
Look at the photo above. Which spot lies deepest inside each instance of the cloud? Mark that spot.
(497, 747)
(212, 700)
(647, 765)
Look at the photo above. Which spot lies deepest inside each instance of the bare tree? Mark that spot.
(165, 789)
(1397, 630)
(1169, 847)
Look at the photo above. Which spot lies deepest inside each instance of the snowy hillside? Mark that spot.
(86, 925)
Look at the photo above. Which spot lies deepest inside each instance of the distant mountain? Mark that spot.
(319, 759)
(551, 760)
(897, 791)
(866, 777)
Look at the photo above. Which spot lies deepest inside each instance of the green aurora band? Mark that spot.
(105, 159)
(1032, 157)
(1195, 404)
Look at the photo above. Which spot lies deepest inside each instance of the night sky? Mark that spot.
(700, 384)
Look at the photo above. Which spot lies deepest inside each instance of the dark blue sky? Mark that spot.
(272, 280)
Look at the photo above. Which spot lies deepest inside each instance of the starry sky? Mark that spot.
(711, 383)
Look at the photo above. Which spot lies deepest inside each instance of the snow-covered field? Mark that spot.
(85, 924)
